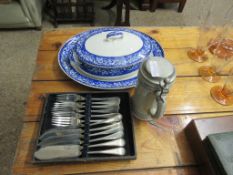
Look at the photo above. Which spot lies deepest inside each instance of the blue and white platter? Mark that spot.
(116, 72)
(64, 61)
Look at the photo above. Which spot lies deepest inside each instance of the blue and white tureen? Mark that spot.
(107, 58)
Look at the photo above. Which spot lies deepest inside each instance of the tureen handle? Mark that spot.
(114, 35)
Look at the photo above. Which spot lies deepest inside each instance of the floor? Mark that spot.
(18, 51)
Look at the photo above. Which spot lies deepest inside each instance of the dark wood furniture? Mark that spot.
(196, 133)
(63, 11)
(66, 11)
(154, 4)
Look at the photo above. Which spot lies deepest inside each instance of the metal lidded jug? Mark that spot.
(155, 77)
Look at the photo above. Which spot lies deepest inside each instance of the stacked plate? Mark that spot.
(107, 58)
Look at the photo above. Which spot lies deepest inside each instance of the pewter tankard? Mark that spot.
(155, 77)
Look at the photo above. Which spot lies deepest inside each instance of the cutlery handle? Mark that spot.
(109, 131)
(104, 115)
(115, 151)
(106, 127)
(104, 106)
(118, 142)
(109, 120)
(108, 110)
(107, 102)
(114, 136)
(106, 99)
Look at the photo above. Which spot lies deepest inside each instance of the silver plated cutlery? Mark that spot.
(78, 115)
(78, 139)
(98, 104)
(76, 97)
(106, 110)
(68, 137)
(118, 143)
(67, 121)
(71, 151)
(79, 133)
(60, 131)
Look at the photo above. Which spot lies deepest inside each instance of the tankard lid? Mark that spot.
(159, 68)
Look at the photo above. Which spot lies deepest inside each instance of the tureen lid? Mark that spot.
(113, 47)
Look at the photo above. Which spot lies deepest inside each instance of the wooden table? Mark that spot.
(158, 152)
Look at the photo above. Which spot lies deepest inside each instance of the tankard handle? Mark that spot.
(161, 99)
(161, 102)
(158, 106)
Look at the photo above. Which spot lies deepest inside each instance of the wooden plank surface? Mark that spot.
(168, 37)
(183, 98)
(47, 67)
(155, 148)
(175, 41)
(156, 171)
(158, 150)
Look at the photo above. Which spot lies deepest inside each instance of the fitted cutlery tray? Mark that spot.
(88, 128)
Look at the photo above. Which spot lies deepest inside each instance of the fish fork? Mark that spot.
(69, 130)
(78, 115)
(76, 97)
(112, 109)
(66, 121)
(96, 105)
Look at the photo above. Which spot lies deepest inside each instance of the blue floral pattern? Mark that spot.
(113, 62)
(106, 72)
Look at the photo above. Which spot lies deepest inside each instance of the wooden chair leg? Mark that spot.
(127, 12)
(119, 13)
(181, 6)
(153, 5)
